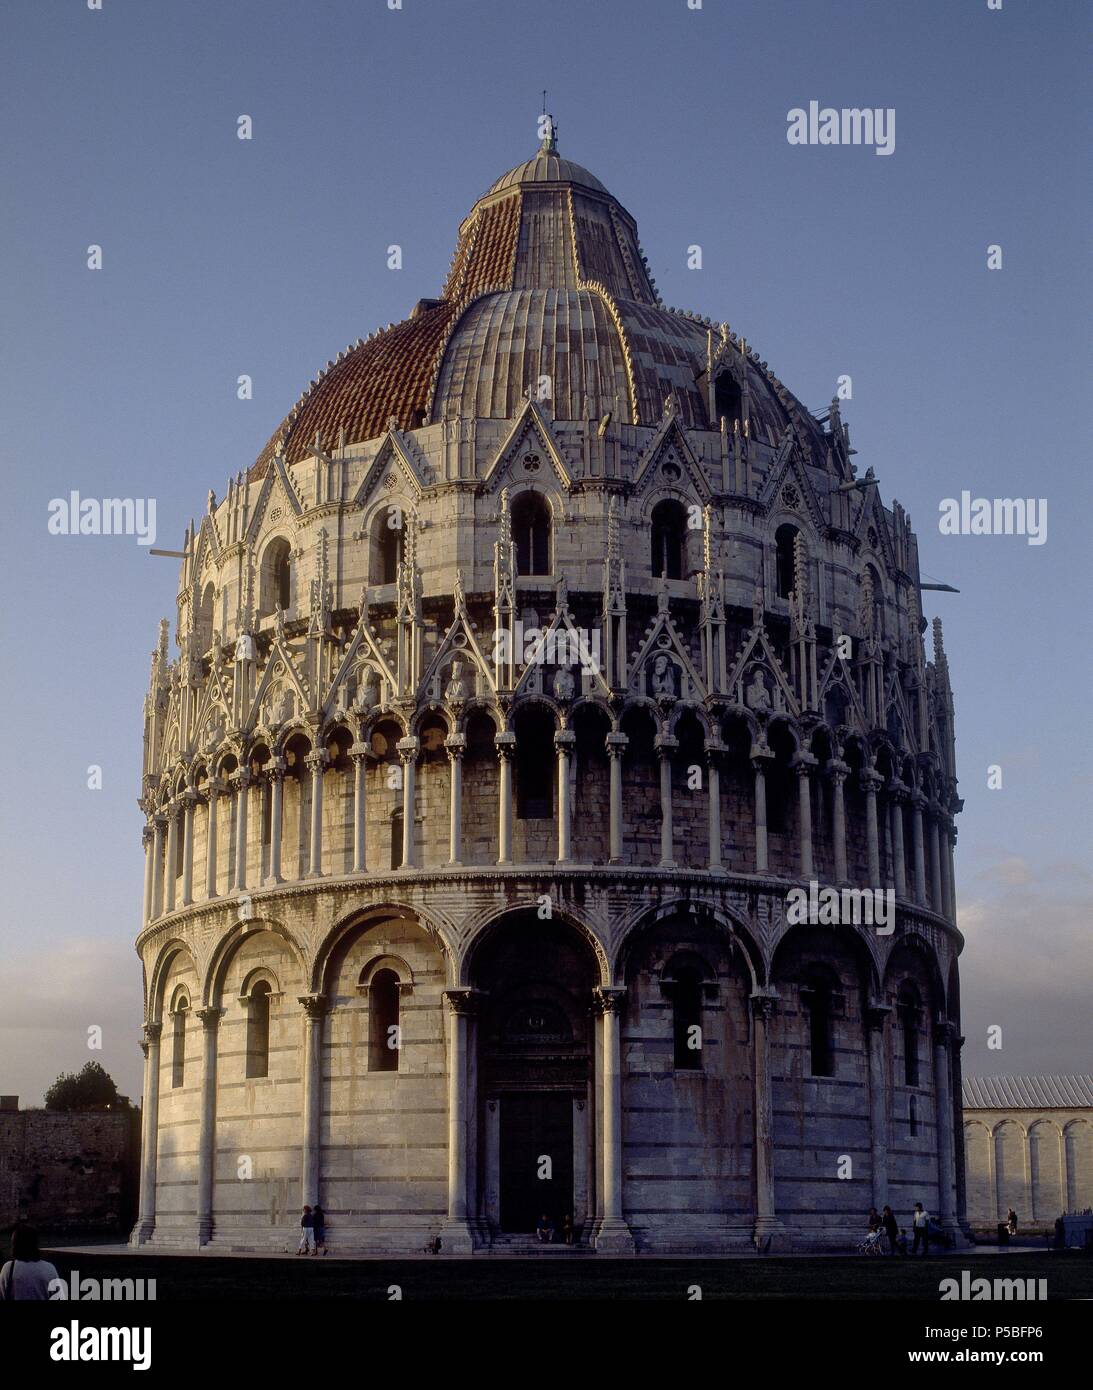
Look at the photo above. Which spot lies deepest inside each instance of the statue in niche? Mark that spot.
(368, 688)
(564, 684)
(456, 689)
(757, 697)
(244, 648)
(214, 732)
(664, 678)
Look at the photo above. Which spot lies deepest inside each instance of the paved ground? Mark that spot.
(200, 1276)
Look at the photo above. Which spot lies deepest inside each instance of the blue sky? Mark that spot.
(374, 127)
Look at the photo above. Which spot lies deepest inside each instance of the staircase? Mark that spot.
(528, 1247)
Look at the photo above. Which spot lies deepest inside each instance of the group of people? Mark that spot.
(312, 1231)
(546, 1231)
(884, 1224)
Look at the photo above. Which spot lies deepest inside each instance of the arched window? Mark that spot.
(685, 991)
(205, 618)
(535, 764)
(384, 1037)
(389, 546)
(178, 1042)
(396, 838)
(669, 530)
(909, 1009)
(276, 585)
(258, 1030)
(531, 533)
(728, 400)
(878, 601)
(818, 998)
(784, 541)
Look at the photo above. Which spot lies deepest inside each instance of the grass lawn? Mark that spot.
(835, 1277)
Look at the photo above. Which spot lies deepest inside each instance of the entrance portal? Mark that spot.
(536, 1159)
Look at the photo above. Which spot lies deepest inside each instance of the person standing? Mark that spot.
(318, 1227)
(26, 1275)
(1011, 1221)
(921, 1223)
(891, 1228)
(307, 1233)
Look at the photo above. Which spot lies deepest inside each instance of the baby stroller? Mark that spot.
(871, 1244)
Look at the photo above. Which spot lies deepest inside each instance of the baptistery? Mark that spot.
(549, 801)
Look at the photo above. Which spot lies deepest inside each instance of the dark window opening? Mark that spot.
(687, 1019)
(390, 551)
(396, 840)
(668, 533)
(784, 544)
(728, 401)
(178, 1044)
(535, 767)
(384, 1037)
(258, 1030)
(818, 1003)
(910, 1013)
(531, 533)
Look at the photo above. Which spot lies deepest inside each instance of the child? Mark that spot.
(901, 1242)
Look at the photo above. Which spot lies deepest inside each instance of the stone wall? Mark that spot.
(69, 1170)
(1039, 1162)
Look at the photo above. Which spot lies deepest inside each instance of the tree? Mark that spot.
(91, 1089)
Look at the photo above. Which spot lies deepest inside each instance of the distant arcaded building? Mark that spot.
(547, 646)
(1028, 1144)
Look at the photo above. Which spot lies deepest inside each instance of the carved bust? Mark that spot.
(664, 677)
(456, 689)
(757, 696)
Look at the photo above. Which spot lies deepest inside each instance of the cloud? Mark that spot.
(52, 997)
(1027, 968)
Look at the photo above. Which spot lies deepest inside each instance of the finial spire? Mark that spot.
(548, 130)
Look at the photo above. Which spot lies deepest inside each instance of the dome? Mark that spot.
(547, 280)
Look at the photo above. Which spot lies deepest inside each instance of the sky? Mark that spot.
(375, 126)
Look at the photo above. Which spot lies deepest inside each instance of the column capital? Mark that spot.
(464, 1001)
(213, 788)
(150, 1035)
(805, 764)
(148, 833)
(456, 744)
(564, 739)
(210, 1018)
(505, 744)
(837, 770)
(317, 759)
(240, 778)
(763, 1003)
(408, 748)
(608, 999)
(315, 1005)
(713, 748)
(276, 769)
(616, 744)
(871, 781)
(943, 1032)
(897, 791)
(188, 798)
(665, 745)
(875, 1015)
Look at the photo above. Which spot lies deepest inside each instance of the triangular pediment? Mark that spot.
(669, 459)
(364, 678)
(562, 647)
(837, 678)
(788, 467)
(281, 683)
(871, 517)
(760, 696)
(530, 435)
(278, 492)
(460, 643)
(662, 667)
(399, 457)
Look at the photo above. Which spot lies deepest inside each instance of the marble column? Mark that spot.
(170, 858)
(212, 796)
(665, 748)
(759, 762)
(611, 1231)
(870, 782)
(767, 1225)
(876, 1016)
(505, 744)
(206, 1151)
(616, 743)
(315, 1006)
(149, 1133)
(456, 1233)
(896, 795)
(188, 799)
(714, 752)
(359, 754)
(950, 850)
(148, 840)
(276, 776)
(564, 741)
(936, 900)
(316, 761)
(805, 763)
(159, 823)
(943, 864)
(917, 802)
(408, 750)
(839, 772)
(456, 745)
(241, 781)
(943, 1100)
